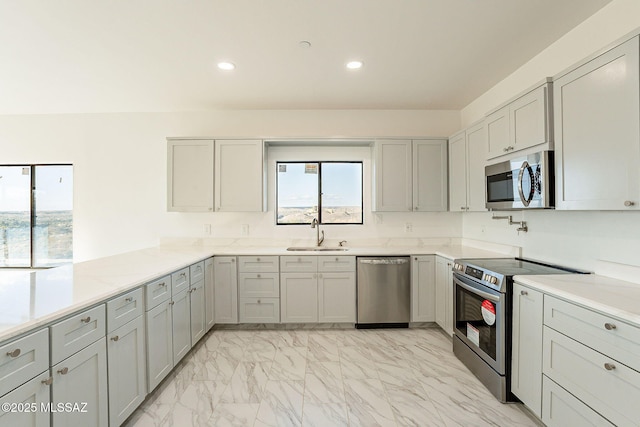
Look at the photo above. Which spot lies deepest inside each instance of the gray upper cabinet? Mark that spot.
(204, 175)
(190, 175)
(239, 176)
(597, 106)
(410, 175)
(524, 122)
(467, 151)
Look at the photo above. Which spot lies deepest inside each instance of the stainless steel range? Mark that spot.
(482, 316)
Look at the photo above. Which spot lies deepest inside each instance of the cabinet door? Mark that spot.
(226, 289)
(198, 306)
(526, 361)
(127, 370)
(82, 378)
(458, 173)
(498, 138)
(299, 297)
(423, 289)
(159, 344)
(597, 132)
(444, 294)
(337, 297)
(239, 176)
(35, 392)
(23, 359)
(181, 325)
(190, 175)
(561, 409)
(430, 175)
(476, 154)
(393, 176)
(528, 119)
(209, 292)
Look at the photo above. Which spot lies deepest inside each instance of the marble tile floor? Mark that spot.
(381, 377)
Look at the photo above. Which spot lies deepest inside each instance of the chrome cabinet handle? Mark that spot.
(128, 299)
(233, 260)
(259, 276)
(609, 366)
(259, 302)
(258, 259)
(14, 353)
(162, 284)
(337, 260)
(63, 371)
(609, 326)
(116, 338)
(172, 302)
(524, 293)
(183, 275)
(505, 149)
(48, 381)
(86, 319)
(629, 203)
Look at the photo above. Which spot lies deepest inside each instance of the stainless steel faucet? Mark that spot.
(316, 225)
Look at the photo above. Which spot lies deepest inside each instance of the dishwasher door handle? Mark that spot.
(384, 261)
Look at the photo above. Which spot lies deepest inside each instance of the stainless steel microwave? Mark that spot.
(521, 183)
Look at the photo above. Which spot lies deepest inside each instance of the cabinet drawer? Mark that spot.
(255, 285)
(77, 332)
(298, 263)
(258, 264)
(259, 310)
(123, 309)
(157, 292)
(23, 359)
(561, 409)
(602, 383)
(617, 339)
(336, 263)
(196, 272)
(180, 281)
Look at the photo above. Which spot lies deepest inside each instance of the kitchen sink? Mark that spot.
(316, 248)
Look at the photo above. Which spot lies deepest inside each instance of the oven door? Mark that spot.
(479, 320)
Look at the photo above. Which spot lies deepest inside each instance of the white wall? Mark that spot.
(579, 239)
(120, 169)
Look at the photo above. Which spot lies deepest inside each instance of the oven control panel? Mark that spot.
(474, 272)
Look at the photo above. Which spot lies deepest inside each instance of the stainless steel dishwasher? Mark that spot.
(383, 292)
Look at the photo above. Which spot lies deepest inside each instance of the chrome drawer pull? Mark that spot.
(128, 299)
(162, 284)
(116, 338)
(86, 319)
(609, 326)
(259, 302)
(183, 275)
(258, 259)
(259, 276)
(14, 353)
(63, 371)
(48, 381)
(609, 366)
(524, 293)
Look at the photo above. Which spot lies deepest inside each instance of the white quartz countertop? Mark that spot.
(616, 298)
(32, 299)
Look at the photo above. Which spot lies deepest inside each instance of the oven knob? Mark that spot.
(493, 280)
(485, 277)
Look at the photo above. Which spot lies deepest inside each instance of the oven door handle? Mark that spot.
(483, 294)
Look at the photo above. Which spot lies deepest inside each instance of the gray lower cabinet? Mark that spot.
(209, 294)
(226, 289)
(81, 381)
(126, 370)
(198, 308)
(35, 392)
(159, 343)
(181, 325)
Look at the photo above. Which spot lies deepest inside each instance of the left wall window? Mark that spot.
(36, 215)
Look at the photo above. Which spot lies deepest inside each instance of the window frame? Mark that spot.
(319, 191)
(32, 214)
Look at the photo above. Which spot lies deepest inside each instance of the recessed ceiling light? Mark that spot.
(354, 65)
(226, 66)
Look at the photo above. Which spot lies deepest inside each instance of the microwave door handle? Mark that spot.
(483, 294)
(524, 200)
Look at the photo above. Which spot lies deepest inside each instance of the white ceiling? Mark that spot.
(159, 55)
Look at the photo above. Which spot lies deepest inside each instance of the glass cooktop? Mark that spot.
(513, 266)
